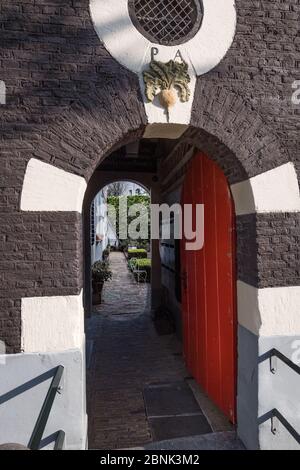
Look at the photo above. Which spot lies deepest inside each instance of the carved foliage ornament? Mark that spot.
(168, 80)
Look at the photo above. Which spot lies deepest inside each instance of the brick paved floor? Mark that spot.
(127, 355)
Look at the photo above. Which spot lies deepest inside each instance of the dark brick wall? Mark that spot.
(268, 249)
(69, 103)
(278, 239)
(38, 257)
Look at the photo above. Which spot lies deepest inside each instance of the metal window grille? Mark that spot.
(167, 22)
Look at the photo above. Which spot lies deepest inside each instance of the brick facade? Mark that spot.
(268, 249)
(69, 104)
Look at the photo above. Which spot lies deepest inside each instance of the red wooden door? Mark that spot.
(209, 286)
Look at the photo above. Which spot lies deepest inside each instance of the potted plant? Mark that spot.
(100, 274)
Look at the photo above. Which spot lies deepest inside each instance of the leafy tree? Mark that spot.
(116, 202)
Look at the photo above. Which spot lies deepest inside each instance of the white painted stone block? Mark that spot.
(52, 324)
(270, 311)
(276, 190)
(48, 188)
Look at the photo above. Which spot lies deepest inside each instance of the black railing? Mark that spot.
(60, 440)
(39, 428)
(274, 353)
(274, 415)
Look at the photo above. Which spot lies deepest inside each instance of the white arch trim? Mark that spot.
(48, 188)
(130, 48)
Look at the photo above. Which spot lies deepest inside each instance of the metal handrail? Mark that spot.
(286, 424)
(40, 425)
(274, 352)
(274, 414)
(60, 440)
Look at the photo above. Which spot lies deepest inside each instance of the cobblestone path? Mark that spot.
(127, 354)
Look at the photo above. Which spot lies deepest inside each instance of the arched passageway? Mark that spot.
(136, 360)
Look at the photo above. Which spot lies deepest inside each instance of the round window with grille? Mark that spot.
(166, 22)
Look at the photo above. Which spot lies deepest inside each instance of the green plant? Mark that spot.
(137, 253)
(118, 211)
(101, 272)
(144, 265)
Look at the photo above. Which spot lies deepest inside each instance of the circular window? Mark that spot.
(166, 22)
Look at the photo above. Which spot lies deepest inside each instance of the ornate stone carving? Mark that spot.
(168, 81)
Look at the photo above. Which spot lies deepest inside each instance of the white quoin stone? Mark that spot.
(276, 190)
(48, 188)
(52, 323)
(272, 311)
(130, 48)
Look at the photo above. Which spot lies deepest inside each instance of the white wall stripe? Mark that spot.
(48, 188)
(276, 190)
(271, 311)
(52, 323)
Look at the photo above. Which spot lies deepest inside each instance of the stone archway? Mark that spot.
(70, 103)
(256, 166)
